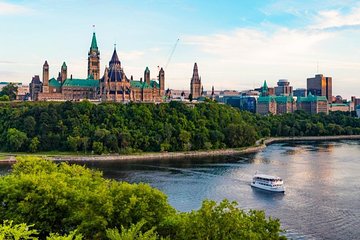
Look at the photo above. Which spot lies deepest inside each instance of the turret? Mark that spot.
(147, 75)
(45, 88)
(63, 72)
(161, 82)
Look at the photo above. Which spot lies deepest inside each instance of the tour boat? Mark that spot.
(267, 182)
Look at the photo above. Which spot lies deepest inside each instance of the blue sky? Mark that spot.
(237, 44)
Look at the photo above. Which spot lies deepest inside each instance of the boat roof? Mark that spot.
(266, 176)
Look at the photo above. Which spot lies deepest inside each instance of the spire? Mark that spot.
(64, 66)
(94, 43)
(114, 58)
(46, 63)
(265, 86)
(195, 77)
(147, 69)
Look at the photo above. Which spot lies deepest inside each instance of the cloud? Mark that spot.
(335, 20)
(12, 9)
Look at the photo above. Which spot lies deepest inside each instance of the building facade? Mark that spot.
(313, 104)
(320, 86)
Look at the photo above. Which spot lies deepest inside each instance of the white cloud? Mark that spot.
(12, 9)
(334, 19)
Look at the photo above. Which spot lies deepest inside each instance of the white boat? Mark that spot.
(268, 182)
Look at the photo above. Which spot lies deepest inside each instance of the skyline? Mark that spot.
(236, 45)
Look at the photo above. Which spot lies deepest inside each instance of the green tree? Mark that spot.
(9, 90)
(223, 221)
(4, 98)
(34, 144)
(98, 147)
(15, 139)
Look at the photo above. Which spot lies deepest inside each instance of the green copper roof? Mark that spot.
(284, 99)
(64, 66)
(312, 98)
(86, 83)
(147, 69)
(154, 84)
(266, 99)
(94, 43)
(339, 105)
(54, 83)
(138, 84)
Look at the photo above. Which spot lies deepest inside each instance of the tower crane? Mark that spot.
(172, 53)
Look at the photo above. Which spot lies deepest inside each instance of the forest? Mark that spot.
(89, 128)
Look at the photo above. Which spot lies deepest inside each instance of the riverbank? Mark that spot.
(260, 145)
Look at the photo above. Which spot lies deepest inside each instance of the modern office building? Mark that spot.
(320, 86)
(283, 88)
(300, 92)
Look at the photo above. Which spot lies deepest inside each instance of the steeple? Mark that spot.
(147, 75)
(265, 89)
(93, 46)
(195, 77)
(64, 66)
(195, 84)
(114, 59)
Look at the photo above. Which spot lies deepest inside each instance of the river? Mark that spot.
(322, 180)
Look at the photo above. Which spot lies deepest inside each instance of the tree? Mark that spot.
(9, 90)
(98, 147)
(223, 221)
(15, 139)
(34, 144)
(4, 98)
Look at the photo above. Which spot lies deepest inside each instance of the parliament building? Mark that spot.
(113, 85)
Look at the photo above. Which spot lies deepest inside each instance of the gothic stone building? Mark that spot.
(113, 86)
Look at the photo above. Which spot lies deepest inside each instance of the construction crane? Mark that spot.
(172, 53)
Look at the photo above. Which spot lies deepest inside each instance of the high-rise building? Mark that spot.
(300, 92)
(94, 60)
(195, 85)
(320, 86)
(283, 88)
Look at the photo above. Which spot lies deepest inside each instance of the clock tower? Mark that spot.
(94, 60)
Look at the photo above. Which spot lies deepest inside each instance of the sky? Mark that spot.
(237, 44)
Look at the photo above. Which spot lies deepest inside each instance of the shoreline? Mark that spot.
(260, 145)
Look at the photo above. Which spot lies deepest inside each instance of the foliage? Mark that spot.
(121, 128)
(9, 231)
(15, 139)
(223, 221)
(9, 90)
(71, 202)
(4, 98)
(133, 233)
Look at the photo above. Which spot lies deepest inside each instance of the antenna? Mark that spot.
(317, 67)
